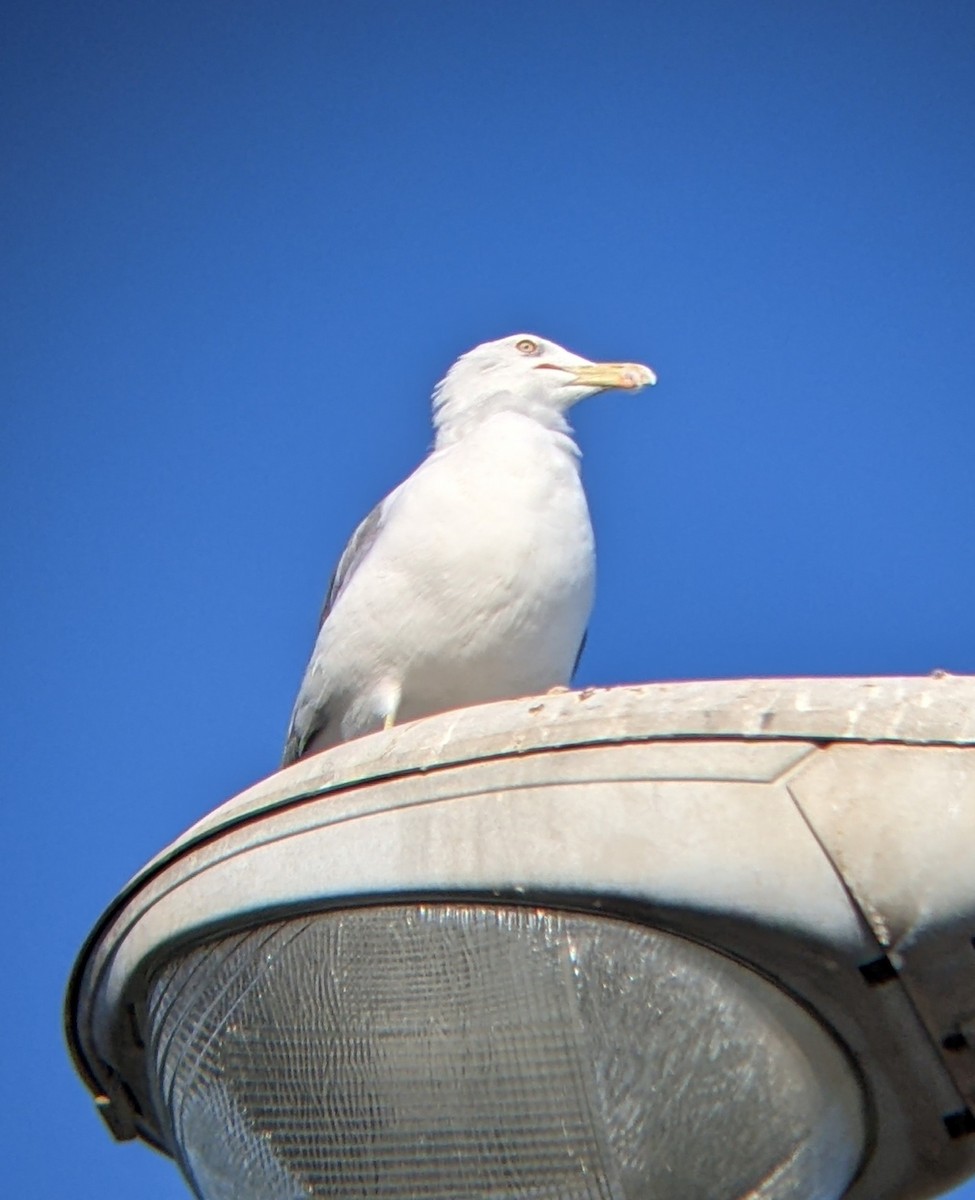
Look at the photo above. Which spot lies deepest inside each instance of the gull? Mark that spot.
(473, 580)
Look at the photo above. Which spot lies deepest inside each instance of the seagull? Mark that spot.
(473, 580)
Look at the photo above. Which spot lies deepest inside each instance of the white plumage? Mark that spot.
(473, 580)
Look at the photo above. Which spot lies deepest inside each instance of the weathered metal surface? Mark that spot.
(820, 830)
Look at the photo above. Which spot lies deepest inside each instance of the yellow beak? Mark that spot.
(630, 376)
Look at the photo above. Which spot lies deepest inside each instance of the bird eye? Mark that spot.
(526, 346)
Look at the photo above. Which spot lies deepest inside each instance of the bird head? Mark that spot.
(526, 374)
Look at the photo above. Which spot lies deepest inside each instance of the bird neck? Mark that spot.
(453, 421)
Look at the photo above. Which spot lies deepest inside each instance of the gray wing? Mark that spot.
(310, 715)
(360, 543)
(582, 646)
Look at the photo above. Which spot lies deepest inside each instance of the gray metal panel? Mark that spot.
(934, 709)
(898, 822)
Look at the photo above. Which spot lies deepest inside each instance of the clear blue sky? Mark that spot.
(242, 241)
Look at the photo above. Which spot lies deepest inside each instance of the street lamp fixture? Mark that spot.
(671, 941)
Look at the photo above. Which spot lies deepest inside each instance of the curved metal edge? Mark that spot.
(929, 710)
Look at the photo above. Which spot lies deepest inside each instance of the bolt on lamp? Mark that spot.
(673, 941)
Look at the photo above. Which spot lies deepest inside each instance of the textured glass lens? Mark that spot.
(448, 1051)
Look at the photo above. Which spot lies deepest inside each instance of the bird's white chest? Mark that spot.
(486, 566)
(503, 517)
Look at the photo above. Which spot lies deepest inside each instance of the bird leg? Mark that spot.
(388, 696)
